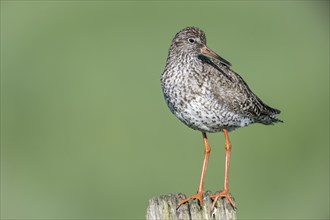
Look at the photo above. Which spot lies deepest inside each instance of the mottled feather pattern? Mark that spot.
(206, 94)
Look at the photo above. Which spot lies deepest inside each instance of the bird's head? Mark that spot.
(192, 41)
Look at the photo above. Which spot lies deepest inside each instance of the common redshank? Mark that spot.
(203, 92)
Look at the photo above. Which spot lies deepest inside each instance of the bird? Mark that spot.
(203, 92)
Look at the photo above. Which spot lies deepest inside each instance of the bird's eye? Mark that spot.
(191, 40)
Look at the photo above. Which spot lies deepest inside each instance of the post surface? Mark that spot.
(166, 207)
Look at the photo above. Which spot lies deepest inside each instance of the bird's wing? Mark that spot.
(233, 91)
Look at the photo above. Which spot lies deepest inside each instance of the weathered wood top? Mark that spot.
(166, 207)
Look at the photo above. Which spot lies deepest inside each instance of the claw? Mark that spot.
(198, 196)
(223, 194)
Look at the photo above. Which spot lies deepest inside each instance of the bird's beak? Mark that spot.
(209, 53)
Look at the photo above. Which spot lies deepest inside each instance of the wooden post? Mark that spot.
(166, 207)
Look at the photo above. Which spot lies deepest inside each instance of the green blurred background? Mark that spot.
(85, 132)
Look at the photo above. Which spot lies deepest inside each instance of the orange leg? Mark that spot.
(199, 195)
(225, 192)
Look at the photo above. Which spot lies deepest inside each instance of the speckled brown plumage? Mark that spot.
(204, 93)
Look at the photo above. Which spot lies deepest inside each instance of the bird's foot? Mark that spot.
(224, 193)
(198, 196)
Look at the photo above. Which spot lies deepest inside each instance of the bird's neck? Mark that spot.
(183, 59)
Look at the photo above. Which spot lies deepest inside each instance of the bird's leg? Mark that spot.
(199, 195)
(225, 192)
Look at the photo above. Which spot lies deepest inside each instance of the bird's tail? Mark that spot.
(268, 119)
